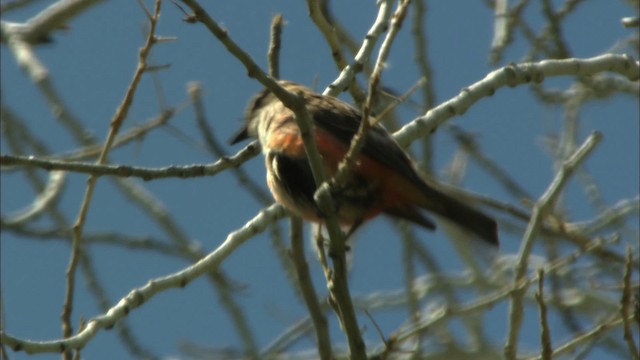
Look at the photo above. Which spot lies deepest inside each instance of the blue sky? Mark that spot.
(91, 64)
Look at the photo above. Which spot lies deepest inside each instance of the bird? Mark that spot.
(383, 179)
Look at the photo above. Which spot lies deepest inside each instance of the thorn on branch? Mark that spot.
(188, 18)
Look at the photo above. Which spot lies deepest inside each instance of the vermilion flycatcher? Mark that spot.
(383, 180)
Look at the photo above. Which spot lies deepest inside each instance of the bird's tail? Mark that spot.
(459, 213)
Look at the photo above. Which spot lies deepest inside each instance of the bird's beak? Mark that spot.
(241, 135)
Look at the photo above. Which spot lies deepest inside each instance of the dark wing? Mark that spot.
(294, 174)
(343, 121)
(380, 146)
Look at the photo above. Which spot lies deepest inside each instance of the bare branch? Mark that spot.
(139, 296)
(540, 211)
(513, 75)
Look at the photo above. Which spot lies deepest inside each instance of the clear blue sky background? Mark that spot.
(91, 65)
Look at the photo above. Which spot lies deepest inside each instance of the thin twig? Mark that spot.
(273, 54)
(41, 202)
(468, 142)
(116, 122)
(147, 174)
(318, 15)
(358, 139)
(545, 333)
(134, 133)
(214, 146)
(540, 211)
(305, 284)
(345, 79)
(626, 306)
(571, 345)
